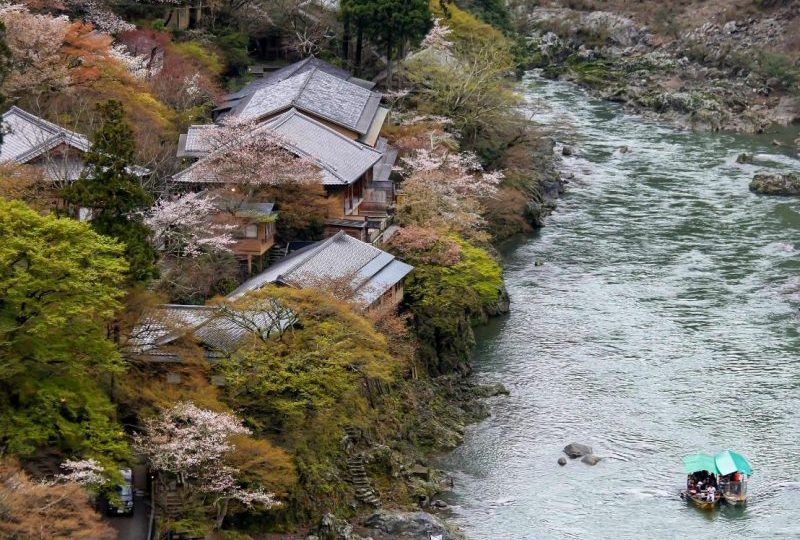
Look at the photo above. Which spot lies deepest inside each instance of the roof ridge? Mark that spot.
(311, 72)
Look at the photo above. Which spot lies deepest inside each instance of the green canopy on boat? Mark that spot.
(729, 462)
(700, 462)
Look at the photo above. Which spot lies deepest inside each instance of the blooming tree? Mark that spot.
(445, 190)
(86, 472)
(102, 18)
(242, 153)
(34, 43)
(437, 36)
(184, 226)
(192, 444)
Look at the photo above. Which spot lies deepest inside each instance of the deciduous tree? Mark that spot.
(43, 511)
(59, 286)
(183, 226)
(192, 444)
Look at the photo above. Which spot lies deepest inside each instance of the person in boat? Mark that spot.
(711, 493)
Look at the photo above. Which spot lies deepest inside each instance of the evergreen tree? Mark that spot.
(389, 24)
(110, 187)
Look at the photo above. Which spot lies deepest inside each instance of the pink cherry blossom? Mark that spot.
(184, 226)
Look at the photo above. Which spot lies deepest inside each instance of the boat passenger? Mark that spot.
(711, 492)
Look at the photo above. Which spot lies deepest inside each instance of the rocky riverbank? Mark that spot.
(737, 75)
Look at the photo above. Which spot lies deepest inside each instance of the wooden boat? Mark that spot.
(700, 500)
(734, 471)
(733, 493)
(728, 470)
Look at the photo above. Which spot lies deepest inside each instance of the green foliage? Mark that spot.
(780, 67)
(494, 12)
(206, 58)
(471, 88)
(447, 296)
(59, 286)
(234, 50)
(390, 23)
(110, 187)
(306, 385)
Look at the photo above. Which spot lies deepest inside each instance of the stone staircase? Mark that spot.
(276, 253)
(365, 493)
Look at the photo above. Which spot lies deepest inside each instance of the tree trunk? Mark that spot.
(359, 47)
(222, 511)
(346, 41)
(389, 44)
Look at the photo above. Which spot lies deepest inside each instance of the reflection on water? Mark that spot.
(663, 321)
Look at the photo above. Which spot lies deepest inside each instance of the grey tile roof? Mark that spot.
(371, 271)
(289, 71)
(211, 326)
(26, 136)
(316, 92)
(342, 160)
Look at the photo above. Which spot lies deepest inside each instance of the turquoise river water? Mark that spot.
(657, 314)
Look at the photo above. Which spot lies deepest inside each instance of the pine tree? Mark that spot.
(110, 187)
(389, 23)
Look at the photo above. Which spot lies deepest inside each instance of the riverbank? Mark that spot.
(734, 71)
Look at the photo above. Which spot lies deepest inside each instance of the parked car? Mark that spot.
(125, 496)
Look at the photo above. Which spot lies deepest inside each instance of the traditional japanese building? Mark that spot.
(361, 271)
(327, 117)
(31, 140)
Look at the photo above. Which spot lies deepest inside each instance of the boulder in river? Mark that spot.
(566, 151)
(562, 461)
(591, 459)
(412, 525)
(744, 158)
(776, 184)
(576, 450)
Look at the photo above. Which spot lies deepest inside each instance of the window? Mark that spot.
(251, 231)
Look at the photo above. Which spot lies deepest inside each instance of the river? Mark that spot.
(657, 314)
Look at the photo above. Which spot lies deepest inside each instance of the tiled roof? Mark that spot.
(289, 71)
(342, 160)
(317, 92)
(26, 136)
(211, 326)
(370, 271)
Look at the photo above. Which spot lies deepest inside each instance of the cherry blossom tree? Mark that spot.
(192, 444)
(436, 37)
(34, 43)
(446, 190)
(245, 156)
(86, 472)
(184, 226)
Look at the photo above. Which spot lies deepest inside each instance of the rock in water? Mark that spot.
(411, 525)
(576, 450)
(624, 149)
(566, 151)
(744, 158)
(562, 461)
(776, 184)
(591, 459)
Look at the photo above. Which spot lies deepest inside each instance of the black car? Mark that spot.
(124, 496)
